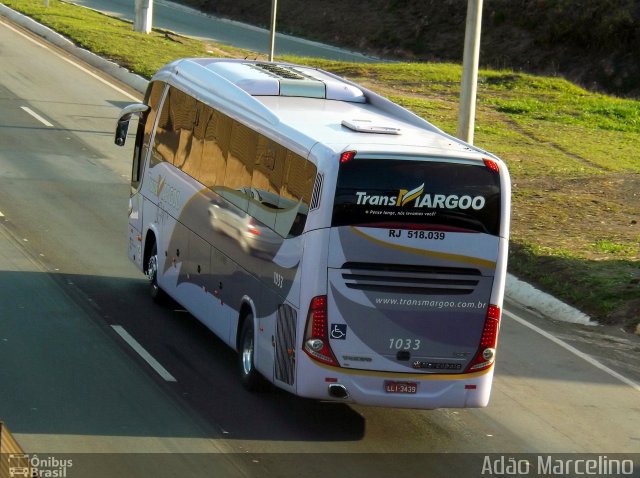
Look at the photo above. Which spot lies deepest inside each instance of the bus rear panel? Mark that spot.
(413, 248)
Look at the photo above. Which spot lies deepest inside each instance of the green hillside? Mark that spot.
(595, 43)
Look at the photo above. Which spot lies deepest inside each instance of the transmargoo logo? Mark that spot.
(421, 200)
(165, 191)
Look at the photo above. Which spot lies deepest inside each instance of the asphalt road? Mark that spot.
(70, 383)
(188, 21)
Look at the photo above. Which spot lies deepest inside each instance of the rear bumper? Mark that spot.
(368, 388)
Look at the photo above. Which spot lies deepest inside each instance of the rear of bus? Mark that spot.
(415, 272)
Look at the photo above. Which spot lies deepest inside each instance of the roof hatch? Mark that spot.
(368, 126)
(273, 79)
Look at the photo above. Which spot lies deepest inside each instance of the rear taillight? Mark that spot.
(492, 165)
(316, 337)
(485, 356)
(347, 156)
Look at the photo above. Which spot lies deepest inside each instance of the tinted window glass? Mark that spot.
(174, 134)
(242, 156)
(215, 148)
(253, 173)
(145, 128)
(417, 194)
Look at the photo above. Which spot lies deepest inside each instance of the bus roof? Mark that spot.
(309, 106)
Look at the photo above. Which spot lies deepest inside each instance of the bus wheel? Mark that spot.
(251, 379)
(157, 294)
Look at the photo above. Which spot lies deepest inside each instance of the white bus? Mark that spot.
(346, 248)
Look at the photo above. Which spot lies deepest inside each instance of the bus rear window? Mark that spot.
(420, 194)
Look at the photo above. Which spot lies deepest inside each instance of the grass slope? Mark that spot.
(572, 154)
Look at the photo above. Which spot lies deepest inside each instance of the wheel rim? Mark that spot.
(152, 271)
(247, 355)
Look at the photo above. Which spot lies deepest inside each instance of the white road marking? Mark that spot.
(575, 351)
(71, 62)
(146, 356)
(28, 110)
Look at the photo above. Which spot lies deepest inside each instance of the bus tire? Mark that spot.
(157, 294)
(250, 377)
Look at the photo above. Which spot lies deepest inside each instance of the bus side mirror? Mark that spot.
(122, 127)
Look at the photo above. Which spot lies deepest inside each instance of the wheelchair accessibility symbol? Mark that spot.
(339, 331)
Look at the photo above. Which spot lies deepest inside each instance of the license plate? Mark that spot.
(400, 387)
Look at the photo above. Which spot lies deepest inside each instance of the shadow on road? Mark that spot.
(65, 371)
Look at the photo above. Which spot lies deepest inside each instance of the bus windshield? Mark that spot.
(422, 193)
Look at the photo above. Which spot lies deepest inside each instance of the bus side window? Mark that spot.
(175, 128)
(215, 149)
(183, 118)
(242, 156)
(296, 189)
(268, 172)
(251, 171)
(265, 181)
(240, 164)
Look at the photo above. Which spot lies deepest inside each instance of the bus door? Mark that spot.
(144, 136)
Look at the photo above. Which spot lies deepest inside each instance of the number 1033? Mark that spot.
(404, 344)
